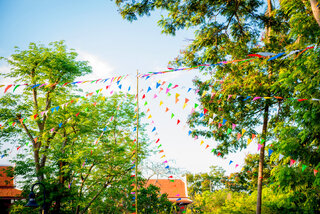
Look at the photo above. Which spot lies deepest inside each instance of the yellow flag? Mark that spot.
(134, 116)
(243, 131)
(249, 141)
(201, 142)
(177, 95)
(268, 97)
(163, 156)
(149, 116)
(161, 103)
(77, 99)
(31, 117)
(184, 105)
(204, 93)
(103, 98)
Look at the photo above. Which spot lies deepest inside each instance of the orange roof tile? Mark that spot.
(10, 193)
(175, 189)
(5, 180)
(7, 189)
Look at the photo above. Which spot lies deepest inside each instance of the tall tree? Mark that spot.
(230, 30)
(65, 148)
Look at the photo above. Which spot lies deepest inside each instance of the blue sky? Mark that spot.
(114, 47)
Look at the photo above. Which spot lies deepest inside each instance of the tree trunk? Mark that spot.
(261, 157)
(315, 6)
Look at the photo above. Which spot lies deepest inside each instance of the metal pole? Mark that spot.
(137, 145)
(44, 208)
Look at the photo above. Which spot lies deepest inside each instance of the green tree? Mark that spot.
(65, 149)
(201, 182)
(230, 30)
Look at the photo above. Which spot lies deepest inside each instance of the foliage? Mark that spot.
(74, 161)
(230, 30)
(226, 201)
(199, 183)
(119, 199)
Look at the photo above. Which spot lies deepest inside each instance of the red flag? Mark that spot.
(205, 111)
(35, 116)
(315, 172)
(65, 84)
(302, 100)
(144, 96)
(219, 153)
(7, 88)
(292, 162)
(178, 121)
(207, 146)
(161, 151)
(18, 148)
(158, 140)
(170, 176)
(77, 114)
(186, 100)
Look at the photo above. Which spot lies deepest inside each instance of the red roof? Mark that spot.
(175, 188)
(5, 180)
(7, 189)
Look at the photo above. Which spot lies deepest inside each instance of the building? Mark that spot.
(8, 193)
(175, 188)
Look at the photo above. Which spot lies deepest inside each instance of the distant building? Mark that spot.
(176, 190)
(7, 191)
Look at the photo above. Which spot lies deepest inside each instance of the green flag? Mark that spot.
(229, 131)
(169, 85)
(304, 167)
(196, 105)
(172, 115)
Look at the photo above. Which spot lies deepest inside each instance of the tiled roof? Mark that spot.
(5, 180)
(9, 193)
(175, 188)
(7, 189)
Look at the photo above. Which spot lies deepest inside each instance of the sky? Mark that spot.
(114, 47)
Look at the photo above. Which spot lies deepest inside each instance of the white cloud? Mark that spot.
(101, 68)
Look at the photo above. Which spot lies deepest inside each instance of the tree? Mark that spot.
(201, 182)
(68, 152)
(230, 30)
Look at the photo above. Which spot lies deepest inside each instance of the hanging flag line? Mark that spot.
(13, 121)
(62, 84)
(230, 96)
(55, 129)
(51, 130)
(160, 150)
(258, 55)
(210, 121)
(263, 55)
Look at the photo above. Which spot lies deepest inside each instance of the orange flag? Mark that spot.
(167, 109)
